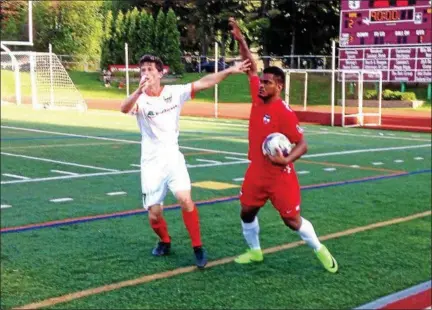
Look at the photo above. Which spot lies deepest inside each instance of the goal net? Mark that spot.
(349, 97)
(42, 81)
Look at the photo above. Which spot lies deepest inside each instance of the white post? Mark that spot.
(35, 102)
(305, 91)
(287, 86)
(380, 97)
(127, 68)
(216, 86)
(360, 97)
(51, 76)
(30, 17)
(333, 83)
(17, 74)
(343, 99)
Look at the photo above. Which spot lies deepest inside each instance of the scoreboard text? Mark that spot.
(386, 26)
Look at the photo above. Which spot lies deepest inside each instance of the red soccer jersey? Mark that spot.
(267, 118)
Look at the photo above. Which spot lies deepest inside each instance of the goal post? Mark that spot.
(363, 118)
(13, 83)
(325, 88)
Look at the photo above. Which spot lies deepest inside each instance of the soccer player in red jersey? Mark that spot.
(272, 177)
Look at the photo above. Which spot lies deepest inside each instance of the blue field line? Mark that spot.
(207, 203)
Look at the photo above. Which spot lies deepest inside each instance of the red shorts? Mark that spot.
(282, 189)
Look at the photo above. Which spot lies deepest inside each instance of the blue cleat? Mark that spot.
(162, 249)
(200, 257)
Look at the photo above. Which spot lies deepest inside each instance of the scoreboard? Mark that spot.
(393, 36)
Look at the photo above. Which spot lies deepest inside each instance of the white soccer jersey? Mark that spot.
(158, 120)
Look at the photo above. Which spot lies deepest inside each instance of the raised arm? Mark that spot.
(215, 78)
(244, 49)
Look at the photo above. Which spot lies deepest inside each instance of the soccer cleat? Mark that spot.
(200, 257)
(162, 249)
(251, 256)
(326, 259)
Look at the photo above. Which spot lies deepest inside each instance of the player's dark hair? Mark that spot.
(152, 59)
(277, 72)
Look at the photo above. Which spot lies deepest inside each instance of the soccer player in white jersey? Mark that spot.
(163, 166)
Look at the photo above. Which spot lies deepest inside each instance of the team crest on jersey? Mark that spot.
(266, 119)
(168, 99)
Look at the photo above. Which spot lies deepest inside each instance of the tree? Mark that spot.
(73, 28)
(172, 43)
(14, 21)
(132, 34)
(118, 39)
(146, 28)
(160, 35)
(106, 55)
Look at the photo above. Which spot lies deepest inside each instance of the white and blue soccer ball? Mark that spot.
(276, 140)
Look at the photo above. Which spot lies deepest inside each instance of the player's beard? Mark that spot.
(264, 97)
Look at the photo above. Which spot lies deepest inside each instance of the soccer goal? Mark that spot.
(33, 77)
(338, 92)
(41, 81)
(372, 117)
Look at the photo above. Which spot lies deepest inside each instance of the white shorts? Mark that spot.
(157, 175)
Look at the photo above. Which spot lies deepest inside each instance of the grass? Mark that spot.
(50, 262)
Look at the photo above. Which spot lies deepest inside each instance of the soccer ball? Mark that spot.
(276, 140)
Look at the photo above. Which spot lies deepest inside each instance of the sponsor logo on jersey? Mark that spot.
(152, 114)
(266, 119)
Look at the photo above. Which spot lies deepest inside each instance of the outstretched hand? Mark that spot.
(241, 67)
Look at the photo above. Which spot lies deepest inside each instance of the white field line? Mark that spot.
(15, 176)
(138, 142)
(61, 199)
(56, 161)
(368, 136)
(221, 164)
(190, 148)
(229, 163)
(383, 149)
(68, 177)
(5, 206)
(64, 172)
(234, 158)
(329, 169)
(116, 193)
(208, 161)
(327, 131)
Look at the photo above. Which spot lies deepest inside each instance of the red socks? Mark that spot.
(161, 229)
(191, 221)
